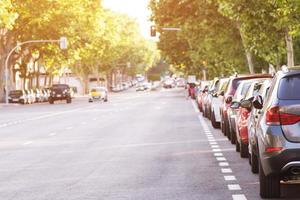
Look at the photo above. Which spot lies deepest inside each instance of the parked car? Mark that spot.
(278, 133)
(217, 101)
(169, 83)
(208, 98)
(242, 141)
(98, 94)
(38, 95)
(252, 123)
(230, 92)
(60, 92)
(234, 108)
(203, 88)
(17, 96)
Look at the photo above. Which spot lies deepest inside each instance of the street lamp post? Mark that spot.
(63, 45)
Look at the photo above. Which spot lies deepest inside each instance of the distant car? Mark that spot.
(139, 88)
(180, 82)
(169, 83)
(60, 92)
(98, 94)
(278, 133)
(17, 96)
(208, 98)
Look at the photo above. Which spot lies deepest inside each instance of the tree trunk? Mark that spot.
(247, 52)
(289, 49)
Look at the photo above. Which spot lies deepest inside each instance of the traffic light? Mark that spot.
(153, 31)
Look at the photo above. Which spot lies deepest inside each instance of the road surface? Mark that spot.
(148, 145)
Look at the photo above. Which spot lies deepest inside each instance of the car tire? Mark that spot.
(213, 121)
(69, 100)
(254, 163)
(244, 152)
(106, 100)
(51, 101)
(269, 185)
(232, 137)
(237, 146)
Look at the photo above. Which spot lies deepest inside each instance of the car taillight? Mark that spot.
(288, 119)
(272, 116)
(273, 149)
(275, 117)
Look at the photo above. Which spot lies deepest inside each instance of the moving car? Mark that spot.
(278, 133)
(169, 83)
(60, 92)
(98, 94)
(17, 96)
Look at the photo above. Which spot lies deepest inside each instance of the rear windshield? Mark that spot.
(97, 90)
(289, 88)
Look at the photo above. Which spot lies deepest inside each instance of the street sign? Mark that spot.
(63, 43)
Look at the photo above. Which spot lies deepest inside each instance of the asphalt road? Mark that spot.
(147, 145)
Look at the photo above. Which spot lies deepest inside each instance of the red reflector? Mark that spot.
(273, 149)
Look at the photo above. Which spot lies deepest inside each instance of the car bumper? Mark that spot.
(280, 162)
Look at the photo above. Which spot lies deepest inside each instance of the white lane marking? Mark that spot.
(83, 123)
(216, 150)
(69, 128)
(27, 143)
(221, 158)
(234, 187)
(239, 197)
(229, 178)
(212, 143)
(52, 134)
(218, 154)
(158, 108)
(215, 146)
(195, 107)
(226, 170)
(223, 164)
(95, 119)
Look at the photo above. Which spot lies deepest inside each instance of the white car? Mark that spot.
(217, 102)
(98, 94)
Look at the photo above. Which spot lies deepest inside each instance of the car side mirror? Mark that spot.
(228, 99)
(246, 104)
(258, 102)
(222, 93)
(235, 105)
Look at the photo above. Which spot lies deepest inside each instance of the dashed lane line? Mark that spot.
(222, 161)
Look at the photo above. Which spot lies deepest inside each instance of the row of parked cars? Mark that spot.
(51, 94)
(260, 115)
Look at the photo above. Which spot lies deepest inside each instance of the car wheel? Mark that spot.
(213, 121)
(269, 185)
(244, 152)
(237, 146)
(51, 101)
(254, 163)
(69, 100)
(232, 137)
(106, 100)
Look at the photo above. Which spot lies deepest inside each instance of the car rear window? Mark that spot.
(289, 88)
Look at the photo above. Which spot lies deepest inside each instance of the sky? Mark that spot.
(134, 8)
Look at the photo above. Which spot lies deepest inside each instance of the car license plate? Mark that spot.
(15, 99)
(59, 95)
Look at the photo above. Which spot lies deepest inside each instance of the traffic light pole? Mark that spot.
(18, 45)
